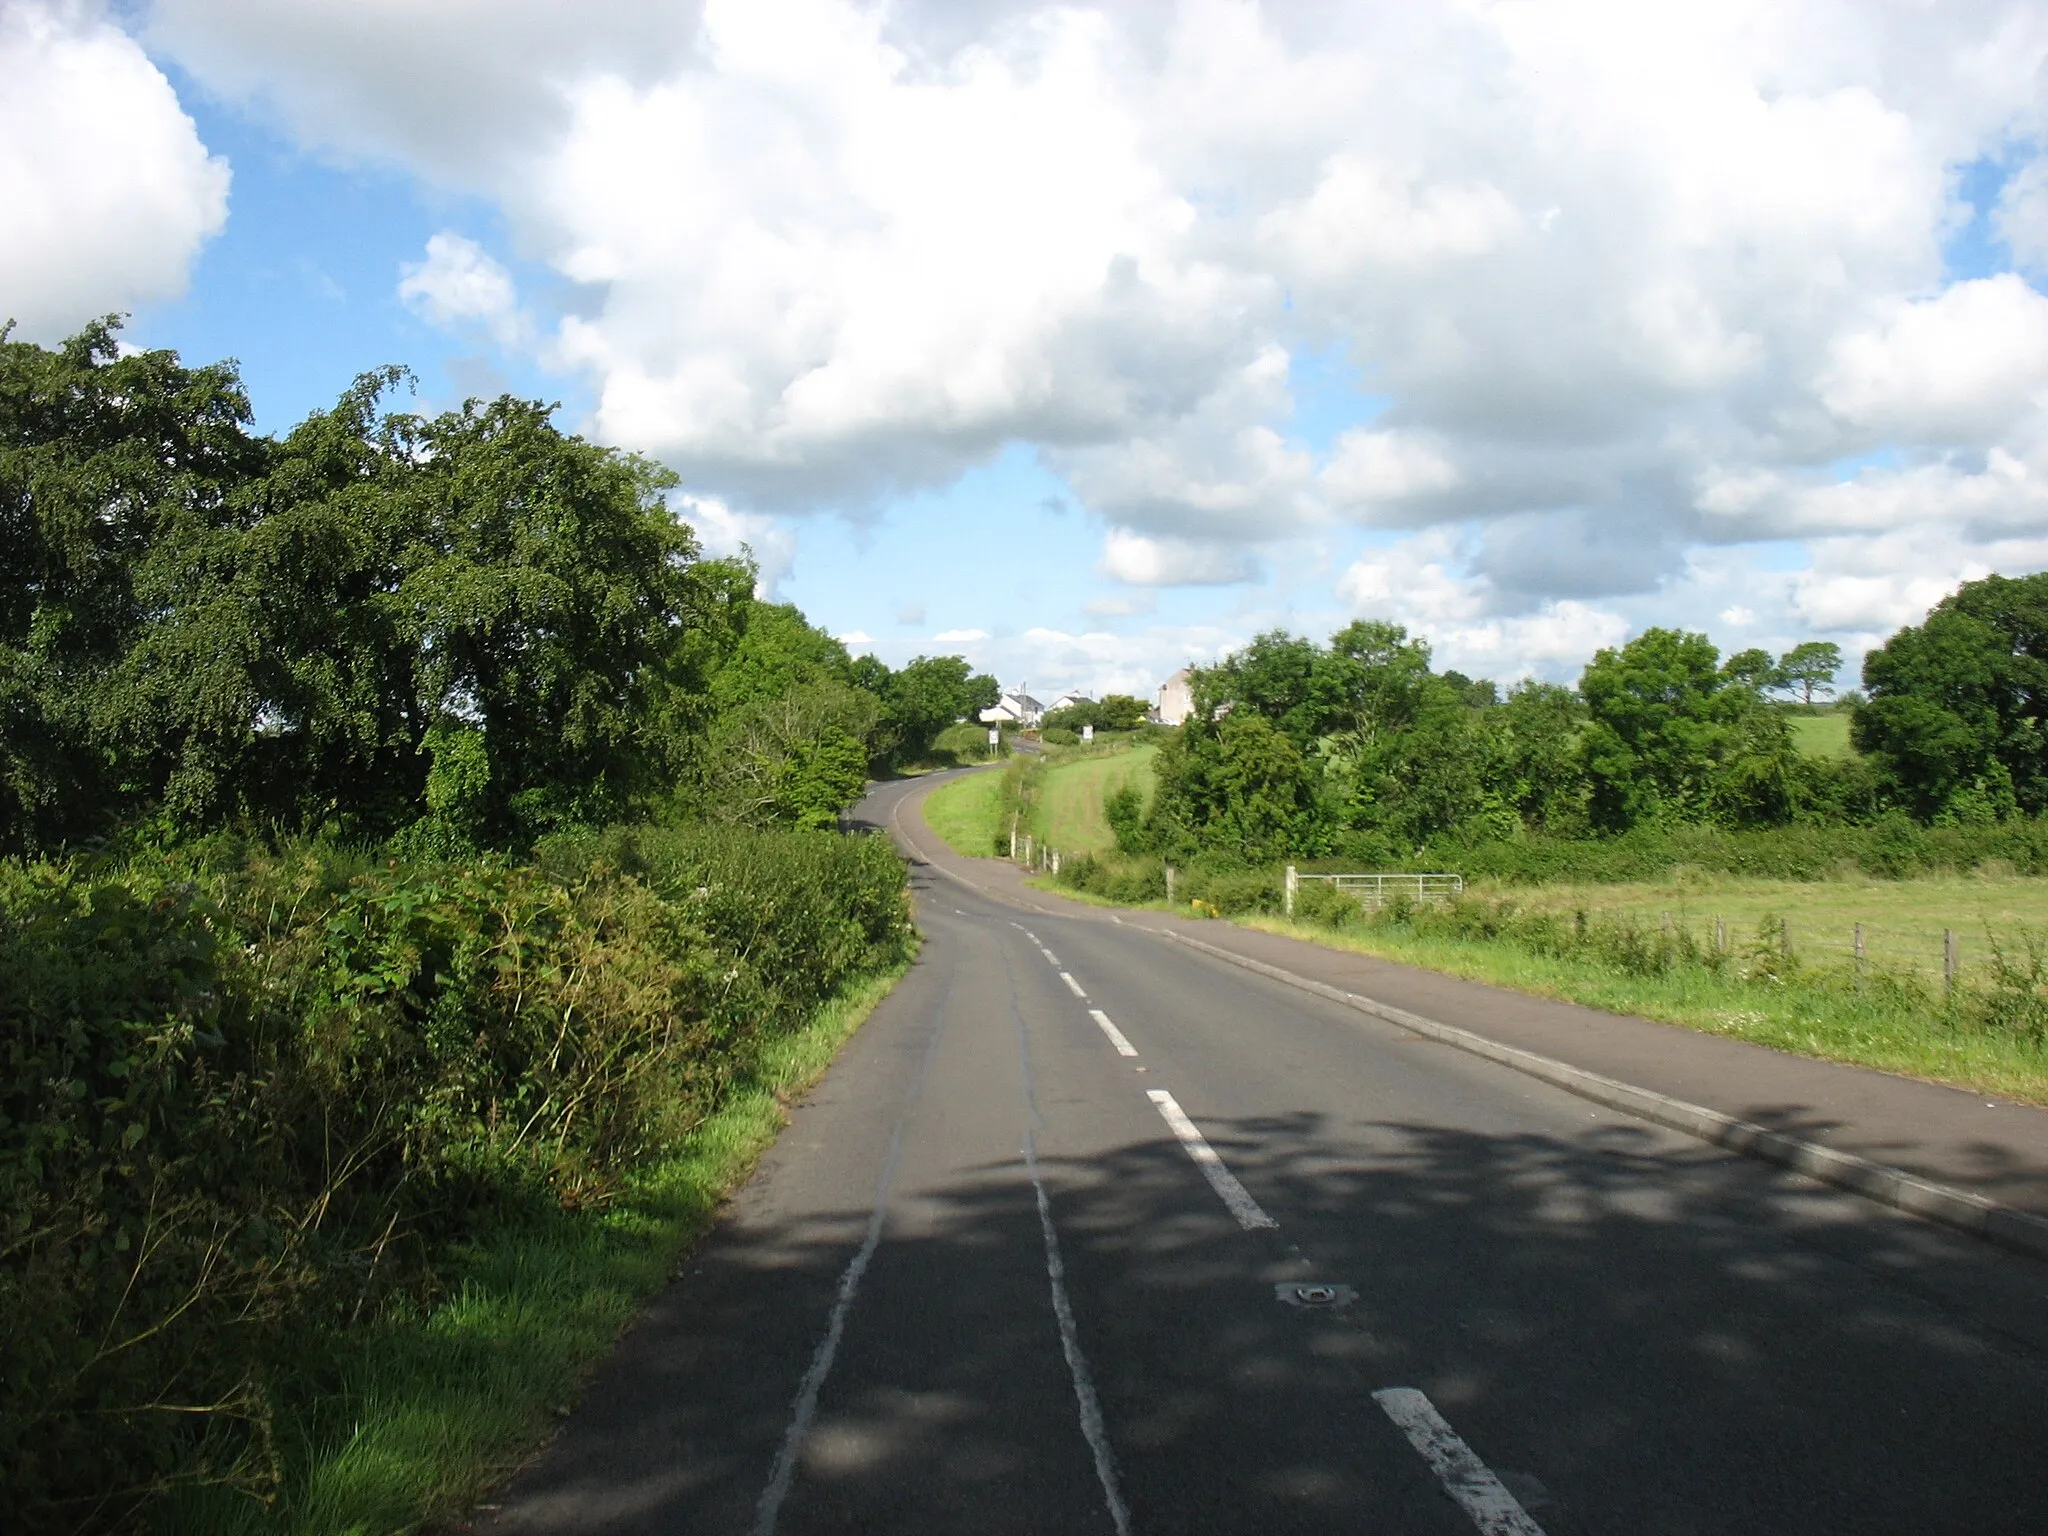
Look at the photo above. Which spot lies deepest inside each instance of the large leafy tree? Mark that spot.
(1954, 718)
(105, 460)
(1663, 717)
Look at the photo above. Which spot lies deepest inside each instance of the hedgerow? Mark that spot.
(246, 1099)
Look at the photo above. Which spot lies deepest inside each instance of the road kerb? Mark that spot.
(1958, 1208)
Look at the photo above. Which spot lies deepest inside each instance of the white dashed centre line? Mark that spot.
(1465, 1477)
(1116, 1036)
(1055, 959)
(1073, 986)
(1221, 1179)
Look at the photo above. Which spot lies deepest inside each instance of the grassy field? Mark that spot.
(964, 813)
(429, 1410)
(1879, 1030)
(1902, 919)
(1069, 810)
(1822, 735)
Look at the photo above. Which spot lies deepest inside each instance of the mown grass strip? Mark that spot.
(965, 813)
(1806, 1020)
(428, 1410)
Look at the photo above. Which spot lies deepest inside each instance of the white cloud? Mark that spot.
(959, 636)
(1624, 281)
(459, 283)
(109, 193)
(1955, 369)
(1143, 561)
(723, 533)
(1370, 470)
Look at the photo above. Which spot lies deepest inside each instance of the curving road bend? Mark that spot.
(1087, 1232)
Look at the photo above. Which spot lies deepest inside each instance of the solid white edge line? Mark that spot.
(1221, 1179)
(1465, 1477)
(1116, 1036)
(1093, 1430)
(1073, 986)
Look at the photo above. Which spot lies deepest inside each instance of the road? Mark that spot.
(1089, 1233)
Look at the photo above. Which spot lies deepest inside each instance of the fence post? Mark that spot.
(1027, 852)
(1055, 861)
(1720, 935)
(1859, 951)
(1951, 960)
(1013, 836)
(1293, 884)
(1169, 885)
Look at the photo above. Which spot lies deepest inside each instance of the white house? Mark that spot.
(1018, 709)
(1068, 701)
(1174, 699)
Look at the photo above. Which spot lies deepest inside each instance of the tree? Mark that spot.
(1954, 720)
(928, 694)
(1810, 667)
(1663, 717)
(1752, 669)
(103, 460)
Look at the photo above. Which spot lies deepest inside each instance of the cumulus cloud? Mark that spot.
(1955, 369)
(109, 193)
(1150, 562)
(723, 533)
(959, 636)
(1624, 282)
(460, 283)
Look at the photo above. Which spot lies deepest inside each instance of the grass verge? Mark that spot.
(1069, 811)
(419, 1414)
(1889, 1027)
(965, 813)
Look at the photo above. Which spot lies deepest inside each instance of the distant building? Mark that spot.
(1068, 701)
(1175, 700)
(1019, 709)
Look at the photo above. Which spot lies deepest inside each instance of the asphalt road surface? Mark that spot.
(1086, 1232)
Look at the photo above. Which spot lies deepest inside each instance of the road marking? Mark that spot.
(805, 1409)
(1092, 1427)
(1073, 986)
(1220, 1178)
(1116, 1036)
(1055, 959)
(1465, 1477)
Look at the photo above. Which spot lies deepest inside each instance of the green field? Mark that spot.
(1069, 809)
(1902, 920)
(964, 813)
(1822, 735)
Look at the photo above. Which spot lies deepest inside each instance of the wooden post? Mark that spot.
(1720, 935)
(1859, 952)
(1013, 836)
(1169, 885)
(1028, 864)
(1293, 885)
(1951, 960)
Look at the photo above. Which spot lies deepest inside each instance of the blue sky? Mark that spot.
(1091, 343)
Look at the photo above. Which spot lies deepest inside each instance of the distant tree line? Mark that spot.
(1295, 749)
(468, 627)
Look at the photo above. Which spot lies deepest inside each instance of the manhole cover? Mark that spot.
(1314, 1295)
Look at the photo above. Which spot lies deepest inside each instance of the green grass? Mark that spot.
(1821, 735)
(1902, 920)
(425, 1411)
(1069, 810)
(1884, 1029)
(964, 813)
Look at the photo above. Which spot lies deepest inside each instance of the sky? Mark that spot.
(1090, 341)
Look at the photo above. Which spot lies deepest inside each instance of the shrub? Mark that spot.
(242, 1097)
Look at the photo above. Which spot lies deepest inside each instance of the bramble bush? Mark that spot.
(249, 1094)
